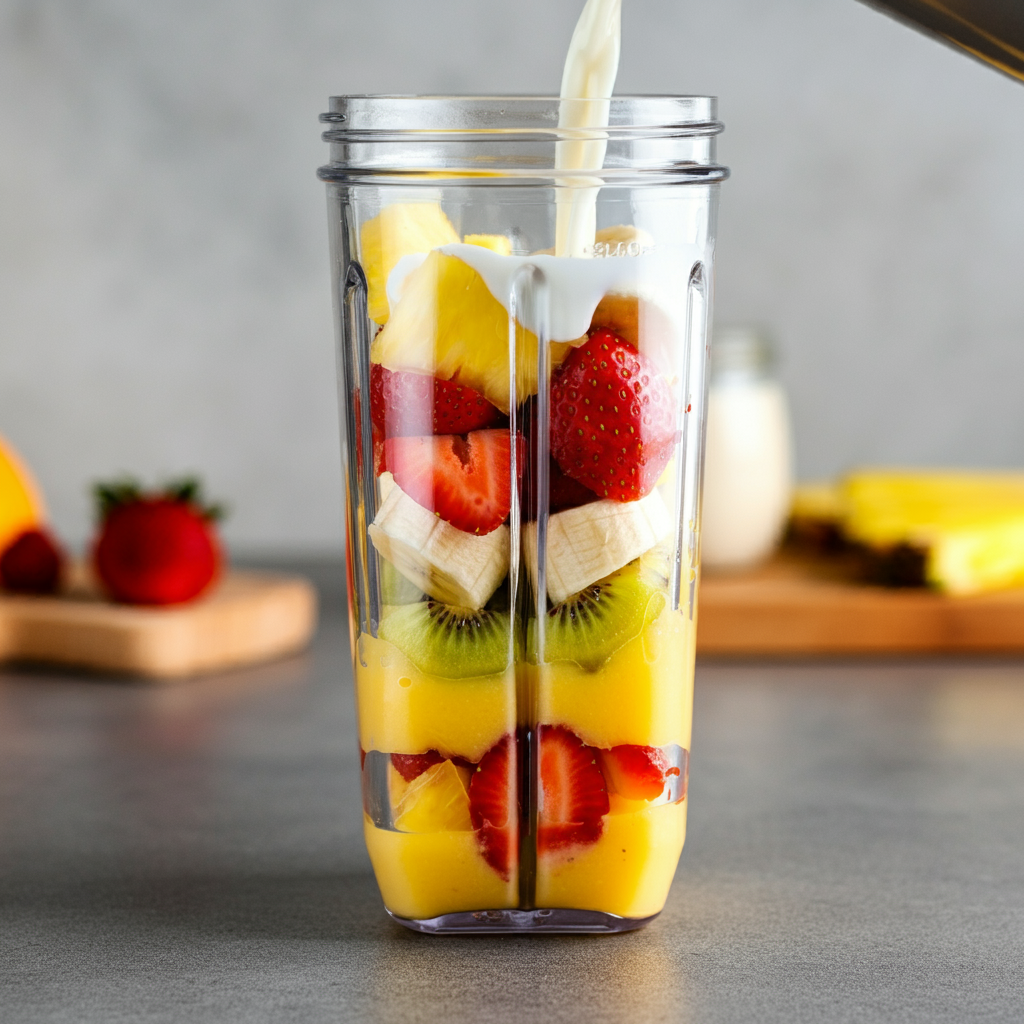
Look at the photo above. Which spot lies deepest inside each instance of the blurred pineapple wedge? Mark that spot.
(967, 527)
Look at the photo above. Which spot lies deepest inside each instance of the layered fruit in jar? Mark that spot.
(524, 707)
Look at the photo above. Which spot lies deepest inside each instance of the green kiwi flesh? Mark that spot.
(443, 640)
(590, 626)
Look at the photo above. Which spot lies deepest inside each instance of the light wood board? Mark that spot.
(794, 606)
(248, 617)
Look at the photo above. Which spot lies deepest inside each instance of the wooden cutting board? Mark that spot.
(801, 605)
(248, 617)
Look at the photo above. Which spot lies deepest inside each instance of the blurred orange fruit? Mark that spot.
(21, 501)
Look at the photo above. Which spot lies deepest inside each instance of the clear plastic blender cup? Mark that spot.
(523, 436)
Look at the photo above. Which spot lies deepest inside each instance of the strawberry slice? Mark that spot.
(493, 807)
(574, 797)
(465, 480)
(412, 766)
(635, 772)
(404, 404)
(613, 418)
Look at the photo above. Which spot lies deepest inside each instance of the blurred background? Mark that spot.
(164, 295)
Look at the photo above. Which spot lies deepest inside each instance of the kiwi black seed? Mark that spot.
(591, 625)
(444, 640)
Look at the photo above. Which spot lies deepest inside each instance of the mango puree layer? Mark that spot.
(628, 871)
(402, 710)
(422, 875)
(643, 694)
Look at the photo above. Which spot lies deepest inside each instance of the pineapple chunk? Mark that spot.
(436, 801)
(398, 230)
(496, 243)
(448, 324)
(970, 526)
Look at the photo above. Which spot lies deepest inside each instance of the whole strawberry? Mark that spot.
(32, 563)
(613, 418)
(156, 548)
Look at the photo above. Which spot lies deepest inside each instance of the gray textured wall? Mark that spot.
(163, 272)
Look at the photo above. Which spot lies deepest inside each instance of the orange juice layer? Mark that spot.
(643, 694)
(402, 710)
(627, 872)
(422, 875)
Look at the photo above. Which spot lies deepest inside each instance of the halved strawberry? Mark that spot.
(493, 807)
(465, 480)
(404, 404)
(613, 418)
(635, 772)
(574, 797)
(411, 766)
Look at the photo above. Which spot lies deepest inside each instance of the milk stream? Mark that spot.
(588, 79)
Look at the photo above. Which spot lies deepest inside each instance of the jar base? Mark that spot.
(554, 921)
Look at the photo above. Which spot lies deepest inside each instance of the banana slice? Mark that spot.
(586, 544)
(450, 565)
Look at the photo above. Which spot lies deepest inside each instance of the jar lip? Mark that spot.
(366, 116)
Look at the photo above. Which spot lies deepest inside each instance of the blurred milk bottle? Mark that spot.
(748, 468)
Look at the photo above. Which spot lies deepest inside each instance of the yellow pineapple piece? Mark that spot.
(398, 230)
(820, 500)
(448, 324)
(496, 243)
(436, 801)
(970, 526)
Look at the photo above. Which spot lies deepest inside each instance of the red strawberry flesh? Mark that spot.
(574, 797)
(613, 418)
(405, 404)
(636, 772)
(493, 807)
(465, 480)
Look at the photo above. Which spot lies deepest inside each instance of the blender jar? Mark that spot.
(523, 436)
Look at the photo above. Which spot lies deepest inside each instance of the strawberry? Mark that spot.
(563, 492)
(635, 772)
(493, 807)
(613, 418)
(31, 564)
(404, 404)
(156, 548)
(574, 797)
(465, 480)
(411, 766)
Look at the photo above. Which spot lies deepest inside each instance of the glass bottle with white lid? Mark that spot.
(748, 468)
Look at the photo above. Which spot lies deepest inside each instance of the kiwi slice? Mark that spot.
(444, 640)
(591, 625)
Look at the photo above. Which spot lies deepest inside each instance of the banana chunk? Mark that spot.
(586, 544)
(450, 565)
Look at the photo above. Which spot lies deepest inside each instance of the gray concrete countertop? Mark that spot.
(193, 852)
